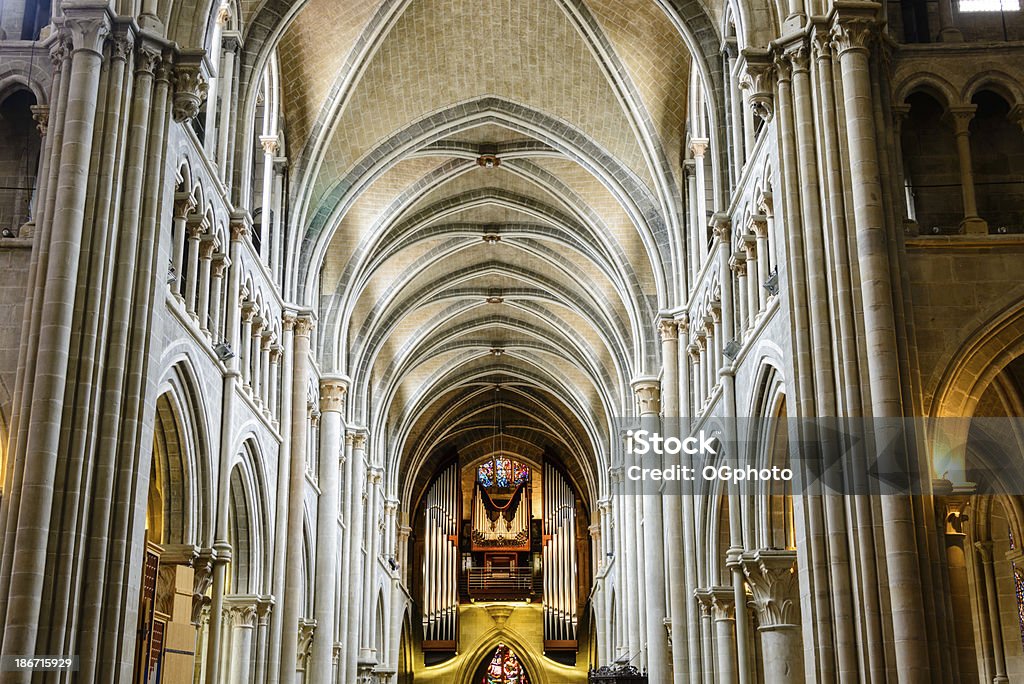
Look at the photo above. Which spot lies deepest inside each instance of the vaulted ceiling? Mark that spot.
(488, 195)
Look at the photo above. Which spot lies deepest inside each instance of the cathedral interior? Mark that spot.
(320, 321)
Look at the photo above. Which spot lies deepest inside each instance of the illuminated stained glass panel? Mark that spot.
(505, 668)
(1018, 580)
(502, 472)
(485, 474)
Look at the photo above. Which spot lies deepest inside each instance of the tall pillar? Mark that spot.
(771, 575)
(266, 341)
(230, 46)
(355, 596)
(855, 24)
(281, 545)
(994, 628)
(961, 117)
(207, 246)
(332, 427)
(648, 394)
(292, 609)
(263, 608)
(270, 146)
(673, 514)
(253, 358)
(347, 513)
(738, 266)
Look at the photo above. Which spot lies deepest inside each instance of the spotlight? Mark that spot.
(224, 351)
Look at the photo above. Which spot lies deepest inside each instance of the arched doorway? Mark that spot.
(502, 666)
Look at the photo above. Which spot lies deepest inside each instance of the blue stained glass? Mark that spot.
(485, 474)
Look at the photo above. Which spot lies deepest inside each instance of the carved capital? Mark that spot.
(60, 51)
(720, 602)
(121, 45)
(276, 352)
(332, 394)
(359, 441)
(87, 27)
(270, 144)
(190, 90)
(799, 57)
(207, 246)
(669, 329)
(249, 311)
(184, 204)
(240, 612)
(699, 146)
(147, 61)
(766, 203)
(721, 226)
(197, 227)
(304, 325)
(648, 394)
(288, 321)
(760, 72)
(738, 264)
(960, 117)
(771, 575)
(759, 225)
(220, 264)
(855, 27)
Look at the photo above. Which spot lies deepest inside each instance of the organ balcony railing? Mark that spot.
(509, 583)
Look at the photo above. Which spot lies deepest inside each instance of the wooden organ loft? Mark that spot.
(516, 541)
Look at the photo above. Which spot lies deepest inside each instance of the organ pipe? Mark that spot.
(440, 562)
(559, 558)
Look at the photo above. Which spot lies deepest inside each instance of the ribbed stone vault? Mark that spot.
(439, 278)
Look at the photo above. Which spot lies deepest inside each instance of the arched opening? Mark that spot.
(931, 170)
(503, 666)
(997, 154)
(167, 630)
(19, 160)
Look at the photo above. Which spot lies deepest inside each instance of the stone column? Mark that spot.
(403, 552)
(672, 511)
(263, 608)
(698, 147)
(195, 230)
(292, 609)
(853, 30)
(986, 570)
(266, 340)
(270, 145)
(948, 32)
(756, 295)
(281, 545)
(207, 246)
(738, 266)
(648, 394)
(771, 575)
(230, 47)
(698, 382)
(254, 358)
(240, 612)
(184, 204)
(332, 427)
(961, 117)
(355, 545)
(276, 352)
(249, 310)
(759, 227)
(347, 513)
(220, 264)
(42, 422)
(721, 604)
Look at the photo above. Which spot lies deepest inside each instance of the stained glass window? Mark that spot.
(505, 668)
(502, 472)
(485, 474)
(1018, 580)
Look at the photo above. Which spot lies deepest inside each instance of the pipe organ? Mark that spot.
(501, 523)
(441, 561)
(559, 562)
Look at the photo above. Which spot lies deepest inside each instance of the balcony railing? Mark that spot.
(508, 583)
